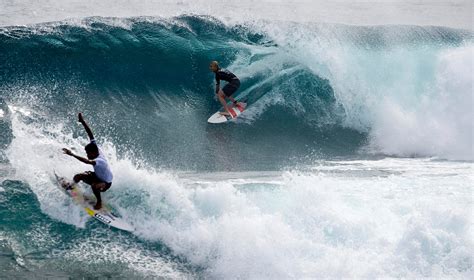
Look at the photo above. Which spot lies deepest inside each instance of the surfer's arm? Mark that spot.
(86, 127)
(84, 160)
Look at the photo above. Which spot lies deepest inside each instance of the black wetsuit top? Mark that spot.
(226, 75)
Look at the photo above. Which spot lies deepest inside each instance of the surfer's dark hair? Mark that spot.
(91, 148)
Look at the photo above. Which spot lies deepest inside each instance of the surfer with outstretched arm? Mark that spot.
(233, 83)
(101, 178)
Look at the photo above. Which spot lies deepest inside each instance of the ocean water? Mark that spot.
(353, 160)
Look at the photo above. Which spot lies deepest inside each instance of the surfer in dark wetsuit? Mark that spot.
(233, 83)
(101, 178)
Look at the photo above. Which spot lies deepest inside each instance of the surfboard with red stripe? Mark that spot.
(234, 110)
(105, 215)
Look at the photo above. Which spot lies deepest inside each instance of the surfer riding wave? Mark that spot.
(100, 179)
(233, 84)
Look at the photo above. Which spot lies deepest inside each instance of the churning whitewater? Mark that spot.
(353, 159)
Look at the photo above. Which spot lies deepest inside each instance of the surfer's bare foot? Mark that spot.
(98, 205)
(224, 113)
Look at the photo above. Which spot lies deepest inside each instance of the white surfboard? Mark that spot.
(104, 215)
(234, 110)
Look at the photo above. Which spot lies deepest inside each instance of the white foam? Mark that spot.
(441, 124)
(95, 251)
(31, 153)
(390, 218)
(453, 13)
(315, 224)
(413, 100)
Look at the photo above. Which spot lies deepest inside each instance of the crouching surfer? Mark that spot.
(100, 179)
(233, 84)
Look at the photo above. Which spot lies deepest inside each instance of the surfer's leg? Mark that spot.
(97, 188)
(78, 177)
(230, 89)
(88, 177)
(223, 102)
(233, 100)
(96, 191)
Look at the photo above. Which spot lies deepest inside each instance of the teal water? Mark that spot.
(354, 158)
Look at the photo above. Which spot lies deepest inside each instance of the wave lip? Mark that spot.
(452, 13)
(315, 90)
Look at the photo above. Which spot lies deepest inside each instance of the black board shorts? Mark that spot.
(90, 178)
(231, 87)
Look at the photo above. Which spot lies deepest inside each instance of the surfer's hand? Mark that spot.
(67, 152)
(81, 119)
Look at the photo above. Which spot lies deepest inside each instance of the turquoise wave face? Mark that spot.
(326, 92)
(314, 91)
